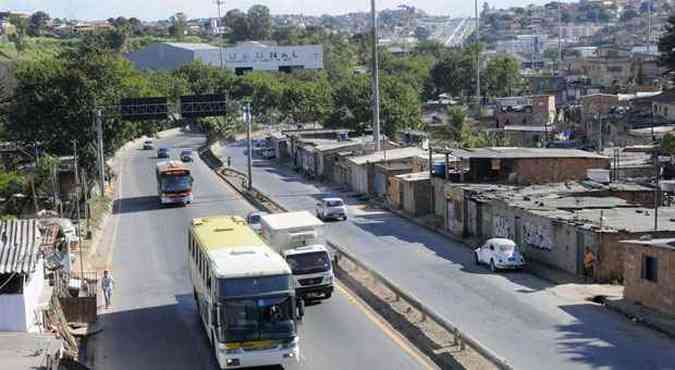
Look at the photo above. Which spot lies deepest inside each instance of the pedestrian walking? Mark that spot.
(229, 162)
(589, 264)
(107, 285)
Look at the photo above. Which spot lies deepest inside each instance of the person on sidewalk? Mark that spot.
(107, 285)
(229, 161)
(589, 264)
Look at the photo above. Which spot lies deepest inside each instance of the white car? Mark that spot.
(500, 254)
(331, 208)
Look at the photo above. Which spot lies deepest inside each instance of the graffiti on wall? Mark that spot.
(502, 227)
(537, 236)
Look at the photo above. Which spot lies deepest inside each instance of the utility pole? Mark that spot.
(649, 27)
(477, 56)
(219, 3)
(58, 206)
(101, 157)
(78, 189)
(375, 79)
(656, 192)
(559, 34)
(247, 116)
(86, 199)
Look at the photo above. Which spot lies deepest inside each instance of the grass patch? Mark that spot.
(99, 207)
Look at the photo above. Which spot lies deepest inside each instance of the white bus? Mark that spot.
(245, 294)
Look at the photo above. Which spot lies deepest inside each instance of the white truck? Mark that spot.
(296, 236)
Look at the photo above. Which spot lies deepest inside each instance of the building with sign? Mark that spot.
(253, 56)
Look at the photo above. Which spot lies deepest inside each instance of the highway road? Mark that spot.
(153, 323)
(520, 316)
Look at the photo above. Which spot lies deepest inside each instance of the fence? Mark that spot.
(77, 295)
(261, 201)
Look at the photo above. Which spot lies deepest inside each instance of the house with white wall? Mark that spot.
(21, 275)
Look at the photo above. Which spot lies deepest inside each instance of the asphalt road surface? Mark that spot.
(153, 323)
(515, 314)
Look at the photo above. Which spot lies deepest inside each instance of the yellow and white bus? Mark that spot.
(245, 294)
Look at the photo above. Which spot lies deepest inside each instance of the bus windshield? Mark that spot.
(269, 318)
(176, 183)
(248, 287)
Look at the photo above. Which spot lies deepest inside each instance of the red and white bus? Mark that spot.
(174, 182)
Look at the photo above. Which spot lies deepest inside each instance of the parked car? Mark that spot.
(186, 155)
(163, 152)
(147, 145)
(253, 220)
(269, 153)
(499, 254)
(331, 208)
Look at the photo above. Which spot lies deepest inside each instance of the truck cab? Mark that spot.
(313, 271)
(296, 237)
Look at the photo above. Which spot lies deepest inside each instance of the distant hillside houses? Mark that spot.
(245, 57)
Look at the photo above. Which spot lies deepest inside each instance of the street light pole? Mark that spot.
(219, 3)
(477, 56)
(247, 113)
(375, 79)
(99, 146)
(78, 186)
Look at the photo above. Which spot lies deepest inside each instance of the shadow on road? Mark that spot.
(140, 204)
(597, 342)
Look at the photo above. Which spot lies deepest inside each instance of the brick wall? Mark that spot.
(658, 295)
(544, 170)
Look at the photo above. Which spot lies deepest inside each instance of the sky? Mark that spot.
(163, 9)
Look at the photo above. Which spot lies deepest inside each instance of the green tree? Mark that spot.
(136, 26)
(431, 48)
(454, 73)
(18, 38)
(264, 91)
(238, 23)
(11, 183)
(351, 101)
(456, 123)
(503, 76)
(422, 33)
(304, 101)
(400, 106)
(37, 23)
(55, 97)
(668, 144)
(178, 26)
(259, 22)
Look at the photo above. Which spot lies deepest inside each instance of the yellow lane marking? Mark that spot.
(388, 330)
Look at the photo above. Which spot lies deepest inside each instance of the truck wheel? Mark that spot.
(328, 295)
(493, 268)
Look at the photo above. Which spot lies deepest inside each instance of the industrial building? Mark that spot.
(252, 56)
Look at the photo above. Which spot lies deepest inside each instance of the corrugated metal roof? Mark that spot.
(191, 46)
(522, 153)
(19, 245)
(391, 154)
